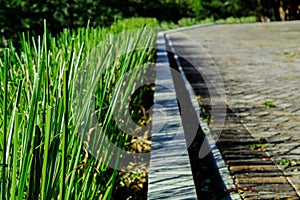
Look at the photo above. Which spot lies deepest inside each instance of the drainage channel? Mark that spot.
(211, 175)
(208, 175)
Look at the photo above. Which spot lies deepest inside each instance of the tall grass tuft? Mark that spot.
(41, 148)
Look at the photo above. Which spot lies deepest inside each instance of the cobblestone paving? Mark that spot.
(260, 67)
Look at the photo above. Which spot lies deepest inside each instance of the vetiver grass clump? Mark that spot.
(52, 92)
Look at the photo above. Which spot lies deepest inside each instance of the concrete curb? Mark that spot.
(170, 175)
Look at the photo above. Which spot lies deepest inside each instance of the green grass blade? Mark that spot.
(66, 129)
(5, 116)
(46, 152)
(14, 165)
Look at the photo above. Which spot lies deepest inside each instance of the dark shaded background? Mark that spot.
(18, 16)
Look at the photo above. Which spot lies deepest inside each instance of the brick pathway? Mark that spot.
(260, 67)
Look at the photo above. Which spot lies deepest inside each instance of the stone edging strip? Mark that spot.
(170, 175)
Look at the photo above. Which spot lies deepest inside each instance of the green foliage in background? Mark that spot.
(20, 16)
(17, 16)
(221, 9)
